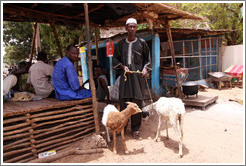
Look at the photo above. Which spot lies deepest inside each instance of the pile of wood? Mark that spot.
(30, 128)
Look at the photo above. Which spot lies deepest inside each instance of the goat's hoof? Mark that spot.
(155, 139)
(180, 155)
(115, 152)
(126, 152)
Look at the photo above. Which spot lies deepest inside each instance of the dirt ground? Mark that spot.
(213, 135)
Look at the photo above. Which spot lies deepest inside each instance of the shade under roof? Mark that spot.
(100, 14)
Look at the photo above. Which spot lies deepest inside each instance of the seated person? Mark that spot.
(65, 78)
(102, 85)
(40, 77)
(114, 92)
(16, 78)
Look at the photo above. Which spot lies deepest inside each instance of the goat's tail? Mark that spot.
(180, 119)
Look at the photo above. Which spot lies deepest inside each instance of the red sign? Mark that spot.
(110, 48)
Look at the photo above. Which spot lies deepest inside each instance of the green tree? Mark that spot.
(227, 16)
(17, 37)
(66, 36)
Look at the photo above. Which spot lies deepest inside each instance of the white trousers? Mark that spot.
(9, 82)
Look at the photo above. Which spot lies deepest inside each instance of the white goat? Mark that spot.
(116, 121)
(171, 110)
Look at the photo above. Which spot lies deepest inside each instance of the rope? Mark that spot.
(139, 72)
(131, 72)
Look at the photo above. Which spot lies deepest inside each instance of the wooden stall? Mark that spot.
(30, 128)
(33, 127)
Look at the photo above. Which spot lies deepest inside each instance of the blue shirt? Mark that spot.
(66, 82)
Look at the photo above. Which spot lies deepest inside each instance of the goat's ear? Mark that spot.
(128, 102)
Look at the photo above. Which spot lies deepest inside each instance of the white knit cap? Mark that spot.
(131, 20)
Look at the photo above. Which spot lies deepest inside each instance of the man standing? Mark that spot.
(65, 78)
(132, 54)
(40, 77)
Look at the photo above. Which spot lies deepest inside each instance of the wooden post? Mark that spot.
(98, 61)
(56, 37)
(170, 41)
(37, 41)
(92, 84)
(33, 42)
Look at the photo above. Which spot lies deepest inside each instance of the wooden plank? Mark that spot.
(57, 136)
(16, 131)
(15, 126)
(51, 112)
(16, 136)
(66, 138)
(19, 142)
(6, 154)
(68, 125)
(60, 115)
(65, 142)
(37, 134)
(61, 120)
(17, 158)
(8, 148)
(200, 101)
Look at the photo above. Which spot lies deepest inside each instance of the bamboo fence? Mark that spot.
(30, 128)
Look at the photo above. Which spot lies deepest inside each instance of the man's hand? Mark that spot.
(125, 68)
(83, 85)
(144, 72)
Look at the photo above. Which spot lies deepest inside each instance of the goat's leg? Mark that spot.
(124, 141)
(166, 122)
(114, 138)
(108, 138)
(179, 133)
(158, 129)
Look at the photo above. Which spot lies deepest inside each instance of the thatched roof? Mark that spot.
(100, 14)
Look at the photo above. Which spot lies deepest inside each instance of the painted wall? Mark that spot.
(232, 55)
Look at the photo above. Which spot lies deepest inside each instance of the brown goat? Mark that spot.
(116, 121)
